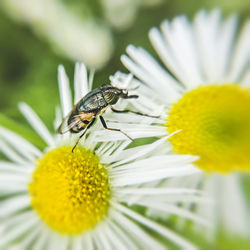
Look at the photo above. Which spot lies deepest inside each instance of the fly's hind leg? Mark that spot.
(113, 129)
(131, 111)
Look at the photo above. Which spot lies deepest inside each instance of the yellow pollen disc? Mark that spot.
(70, 191)
(215, 125)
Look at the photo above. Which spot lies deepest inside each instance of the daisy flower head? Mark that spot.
(203, 84)
(92, 198)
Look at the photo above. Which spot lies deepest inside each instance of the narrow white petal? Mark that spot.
(159, 174)
(206, 28)
(127, 241)
(14, 204)
(122, 80)
(144, 150)
(173, 209)
(22, 146)
(159, 191)
(142, 239)
(246, 79)
(12, 155)
(36, 123)
(134, 131)
(34, 233)
(163, 81)
(232, 202)
(58, 118)
(156, 227)
(18, 230)
(13, 189)
(101, 240)
(17, 218)
(41, 240)
(241, 54)
(77, 243)
(113, 238)
(88, 242)
(80, 82)
(58, 242)
(162, 49)
(91, 79)
(225, 47)
(64, 89)
(181, 44)
(10, 178)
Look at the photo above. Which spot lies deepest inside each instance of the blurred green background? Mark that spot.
(36, 36)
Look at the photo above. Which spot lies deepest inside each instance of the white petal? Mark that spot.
(14, 204)
(64, 89)
(91, 79)
(173, 209)
(246, 79)
(113, 238)
(88, 241)
(143, 240)
(156, 227)
(135, 153)
(42, 240)
(134, 131)
(181, 44)
(36, 123)
(206, 27)
(12, 155)
(18, 230)
(225, 47)
(241, 54)
(158, 191)
(34, 233)
(80, 82)
(141, 171)
(161, 47)
(101, 240)
(161, 80)
(232, 202)
(22, 146)
(77, 243)
(127, 241)
(56, 241)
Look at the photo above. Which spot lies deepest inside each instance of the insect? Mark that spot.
(93, 105)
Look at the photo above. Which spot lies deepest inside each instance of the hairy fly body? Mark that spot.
(93, 105)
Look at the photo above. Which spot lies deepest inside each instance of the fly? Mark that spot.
(93, 105)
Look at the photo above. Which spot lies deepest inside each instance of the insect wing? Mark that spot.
(65, 127)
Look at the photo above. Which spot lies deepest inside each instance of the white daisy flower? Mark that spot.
(204, 89)
(89, 199)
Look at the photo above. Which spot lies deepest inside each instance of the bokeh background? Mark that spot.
(38, 35)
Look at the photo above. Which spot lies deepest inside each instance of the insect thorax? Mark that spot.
(93, 102)
(111, 96)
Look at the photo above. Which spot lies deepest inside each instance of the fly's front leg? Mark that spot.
(84, 132)
(113, 129)
(131, 111)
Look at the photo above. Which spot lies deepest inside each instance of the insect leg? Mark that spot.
(113, 129)
(84, 131)
(131, 111)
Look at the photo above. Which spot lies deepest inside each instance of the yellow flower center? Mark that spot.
(215, 125)
(70, 191)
